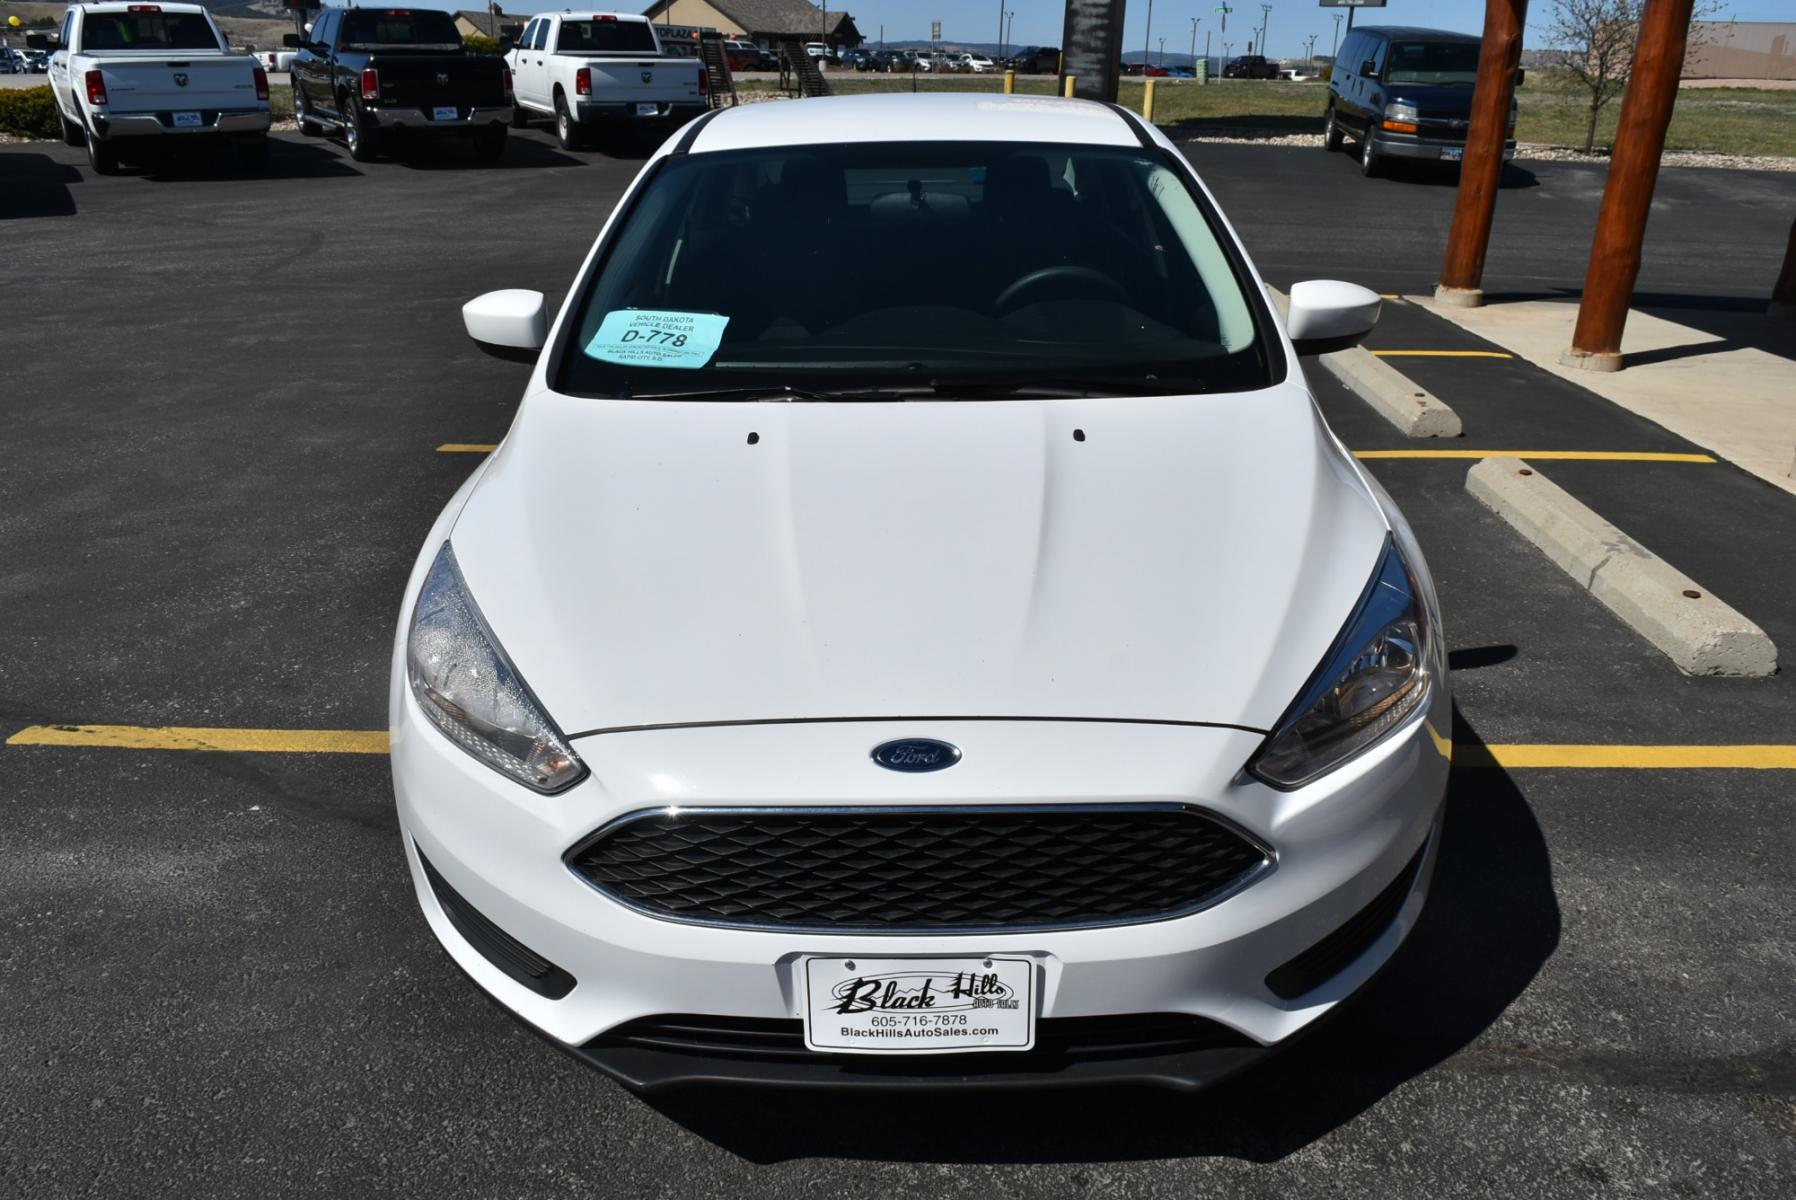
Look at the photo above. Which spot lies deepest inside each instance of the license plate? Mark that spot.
(444, 114)
(648, 110)
(919, 1005)
(187, 120)
(1452, 153)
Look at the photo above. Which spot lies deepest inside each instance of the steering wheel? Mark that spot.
(1034, 280)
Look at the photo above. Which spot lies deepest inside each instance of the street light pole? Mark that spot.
(1194, 24)
(1001, 28)
(1265, 20)
(1334, 47)
(1146, 35)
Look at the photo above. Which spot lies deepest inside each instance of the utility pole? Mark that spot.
(1481, 172)
(1194, 25)
(1147, 35)
(1334, 47)
(1009, 23)
(1162, 52)
(1001, 4)
(1265, 20)
(1628, 195)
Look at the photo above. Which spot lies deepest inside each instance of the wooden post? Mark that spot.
(1783, 294)
(1628, 193)
(1481, 174)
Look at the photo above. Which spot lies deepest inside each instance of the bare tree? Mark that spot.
(1595, 40)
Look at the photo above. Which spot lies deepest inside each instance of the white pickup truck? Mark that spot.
(595, 71)
(129, 76)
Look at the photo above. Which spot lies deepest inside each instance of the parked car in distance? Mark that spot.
(818, 51)
(978, 64)
(1250, 66)
(1035, 60)
(894, 61)
(1131, 792)
(12, 62)
(1405, 93)
(746, 56)
(377, 74)
(132, 78)
(600, 73)
(859, 59)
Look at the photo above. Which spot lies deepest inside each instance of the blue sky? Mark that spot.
(1038, 22)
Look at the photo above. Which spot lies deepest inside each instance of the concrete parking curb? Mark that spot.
(1414, 410)
(1699, 633)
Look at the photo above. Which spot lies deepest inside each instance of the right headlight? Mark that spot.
(468, 688)
(1374, 676)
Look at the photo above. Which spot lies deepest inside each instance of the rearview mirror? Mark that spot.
(1369, 69)
(1326, 315)
(508, 324)
(39, 41)
(1521, 77)
(292, 41)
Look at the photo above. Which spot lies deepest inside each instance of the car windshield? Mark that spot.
(1432, 62)
(147, 31)
(399, 27)
(629, 37)
(1077, 269)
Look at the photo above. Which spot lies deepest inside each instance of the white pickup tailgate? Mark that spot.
(164, 82)
(641, 80)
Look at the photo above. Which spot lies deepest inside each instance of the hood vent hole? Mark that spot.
(753, 438)
(1078, 435)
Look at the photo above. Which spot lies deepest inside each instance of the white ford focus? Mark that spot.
(886, 677)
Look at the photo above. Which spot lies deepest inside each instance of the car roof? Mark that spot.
(594, 14)
(915, 117)
(1416, 31)
(127, 5)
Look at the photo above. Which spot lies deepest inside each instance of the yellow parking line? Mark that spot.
(466, 448)
(1443, 354)
(374, 741)
(169, 737)
(1576, 455)
(1652, 758)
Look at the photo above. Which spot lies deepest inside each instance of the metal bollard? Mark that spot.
(1009, 82)
(1070, 80)
(1147, 100)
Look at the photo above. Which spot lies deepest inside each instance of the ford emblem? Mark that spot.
(916, 755)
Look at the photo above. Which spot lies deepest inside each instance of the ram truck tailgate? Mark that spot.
(165, 82)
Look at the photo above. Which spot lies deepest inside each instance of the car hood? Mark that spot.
(1161, 559)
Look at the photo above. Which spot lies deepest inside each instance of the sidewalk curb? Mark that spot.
(1699, 633)
(1414, 410)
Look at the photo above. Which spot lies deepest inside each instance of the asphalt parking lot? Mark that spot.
(223, 403)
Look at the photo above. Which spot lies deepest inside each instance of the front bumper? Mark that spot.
(162, 123)
(1399, 145)
(422, 119)
(1360, 835)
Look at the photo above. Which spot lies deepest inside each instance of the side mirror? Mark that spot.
(1521, 76)
(1328, 315)
(292, 41)
(1369, 69)
(505, 45)
(39, 41)
(508, 324)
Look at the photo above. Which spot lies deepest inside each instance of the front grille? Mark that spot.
(1066, 1038)
(935, 869)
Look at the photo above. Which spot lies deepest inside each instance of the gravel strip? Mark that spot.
(1542, 152)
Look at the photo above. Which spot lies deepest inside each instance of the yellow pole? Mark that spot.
(1070, 80)
(1147, 100)
(1009, 82)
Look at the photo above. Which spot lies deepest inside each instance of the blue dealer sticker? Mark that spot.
(644, 337)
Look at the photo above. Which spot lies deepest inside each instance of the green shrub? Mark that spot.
(29, 112)
(478, 44)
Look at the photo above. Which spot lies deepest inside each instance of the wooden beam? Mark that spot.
(1481, 174)
(1628, 194)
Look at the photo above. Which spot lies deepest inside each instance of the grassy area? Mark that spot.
(1720, 120)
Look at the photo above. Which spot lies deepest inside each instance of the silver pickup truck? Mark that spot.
(129, 76)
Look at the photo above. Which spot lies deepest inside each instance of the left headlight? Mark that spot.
(1374, 676)
(469, 689)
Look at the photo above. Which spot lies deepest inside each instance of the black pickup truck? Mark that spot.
(375, 73)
